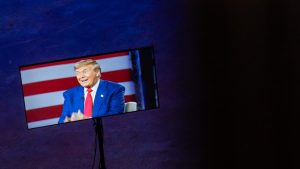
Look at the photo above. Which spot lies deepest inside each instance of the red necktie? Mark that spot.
(88, 105)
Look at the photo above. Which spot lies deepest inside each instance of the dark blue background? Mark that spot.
(39, 31)
(227, 71)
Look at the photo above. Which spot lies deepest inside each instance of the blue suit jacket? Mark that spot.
(109, 100)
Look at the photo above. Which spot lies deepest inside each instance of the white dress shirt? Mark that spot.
(93, 93)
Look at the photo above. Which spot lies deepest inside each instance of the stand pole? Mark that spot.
(99, 133)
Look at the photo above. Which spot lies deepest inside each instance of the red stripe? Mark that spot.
(49, 86)
(130, 98)
(44, 113)
(66, 83)
(96, 57)
(118, 75)
(55, 111)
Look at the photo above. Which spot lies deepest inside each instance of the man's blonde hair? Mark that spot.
(92, 62)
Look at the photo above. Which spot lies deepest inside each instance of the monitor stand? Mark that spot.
(99, 133)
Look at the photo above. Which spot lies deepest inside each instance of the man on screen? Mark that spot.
(94, 97)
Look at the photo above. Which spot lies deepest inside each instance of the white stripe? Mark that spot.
(66, 70)
(44, 100)
(56, 98)
(129, 87)
(115, 63)
(42, 123)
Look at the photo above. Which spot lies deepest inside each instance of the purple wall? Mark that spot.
(227, 71)
(36, 31)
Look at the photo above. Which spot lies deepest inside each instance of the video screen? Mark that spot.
(86, 87)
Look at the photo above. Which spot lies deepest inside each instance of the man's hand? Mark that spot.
(75, 117)
(67, 119)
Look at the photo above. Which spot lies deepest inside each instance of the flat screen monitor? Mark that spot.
(87, 87)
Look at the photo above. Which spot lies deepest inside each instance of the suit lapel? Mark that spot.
(80, 96)
(99, 98)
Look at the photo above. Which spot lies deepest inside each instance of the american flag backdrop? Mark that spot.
(44, 84)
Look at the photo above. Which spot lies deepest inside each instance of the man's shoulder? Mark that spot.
(111, 84)
(75, 89)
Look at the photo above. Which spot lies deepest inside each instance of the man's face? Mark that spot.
(87, 76)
